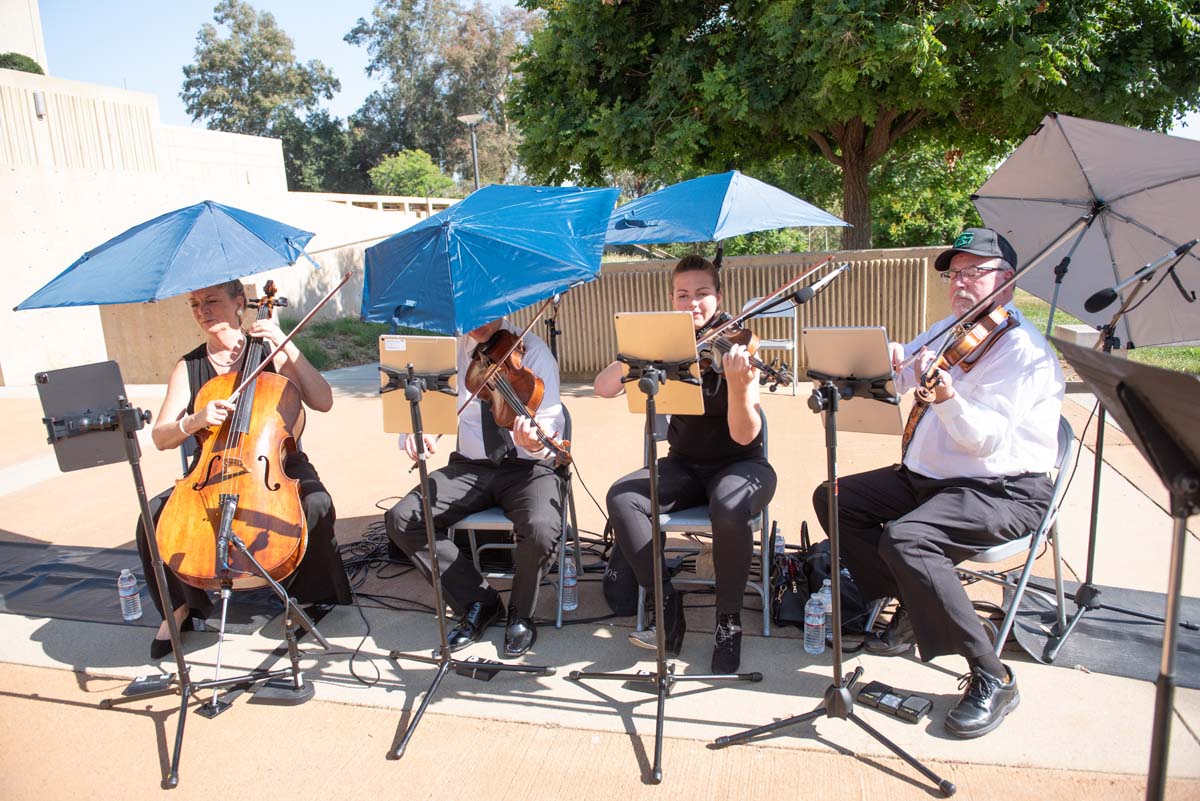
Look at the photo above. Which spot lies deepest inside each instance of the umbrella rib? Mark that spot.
(1057, 201)
(1152, 187)
(1074, 155)
(258, 236)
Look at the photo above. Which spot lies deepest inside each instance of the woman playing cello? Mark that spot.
(217, 310)
(715, 458)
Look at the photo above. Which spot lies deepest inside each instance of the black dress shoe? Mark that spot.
(984, 704)
(519, 636)
(472, 625)
(896, 639)
(727, 644)
(675, 622)
(160, 648)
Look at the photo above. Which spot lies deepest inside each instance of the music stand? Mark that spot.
(1158, 410)
(658, 350)
(90, 422)
(436, 355)
(856, 365)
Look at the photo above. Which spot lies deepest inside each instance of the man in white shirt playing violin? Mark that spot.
(491, 466)
(973, 474)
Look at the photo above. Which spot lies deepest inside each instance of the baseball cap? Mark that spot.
(980, 242)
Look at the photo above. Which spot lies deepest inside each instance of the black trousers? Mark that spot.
(902, 534)
(320, 576)
(734, 492)
(530, 493)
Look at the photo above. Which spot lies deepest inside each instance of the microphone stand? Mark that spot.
(837, 701)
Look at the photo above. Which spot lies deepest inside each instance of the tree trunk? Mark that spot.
(856, 201)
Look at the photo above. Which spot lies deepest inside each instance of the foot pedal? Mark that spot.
(283, 692)
(149, 684)
(475, 668)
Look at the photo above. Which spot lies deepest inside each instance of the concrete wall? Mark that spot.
(21, 30)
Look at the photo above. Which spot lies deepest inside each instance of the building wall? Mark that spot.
(21, 30)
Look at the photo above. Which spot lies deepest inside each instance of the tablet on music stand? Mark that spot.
(863, 353)
(429, 356)
(665, 337)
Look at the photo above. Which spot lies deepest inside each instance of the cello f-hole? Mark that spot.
(207, 473)
(267, 475)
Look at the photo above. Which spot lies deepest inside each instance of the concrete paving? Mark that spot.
(1076, 734)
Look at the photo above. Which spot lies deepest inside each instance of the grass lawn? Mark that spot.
(345, 342)
(1185, 359)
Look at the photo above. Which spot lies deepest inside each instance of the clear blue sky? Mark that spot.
(143, 45)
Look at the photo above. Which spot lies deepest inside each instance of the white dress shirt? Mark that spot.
(1003, 417)
(541, 361)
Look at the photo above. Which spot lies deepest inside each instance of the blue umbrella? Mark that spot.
(711, 208)
(182, 250)
(499, 250)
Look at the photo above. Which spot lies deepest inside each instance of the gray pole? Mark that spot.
(475, 158)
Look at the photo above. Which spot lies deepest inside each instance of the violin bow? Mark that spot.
(303, 322)
(747, 313)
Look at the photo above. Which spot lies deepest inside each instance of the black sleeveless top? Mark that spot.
(704, 438)
(200, 371)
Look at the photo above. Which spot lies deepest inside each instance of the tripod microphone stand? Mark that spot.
(649, 376)
(414, 387)
(838, 701)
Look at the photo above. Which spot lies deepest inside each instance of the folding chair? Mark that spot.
(1030, 544)
(695, 520)
(787, 309)
(494, 519)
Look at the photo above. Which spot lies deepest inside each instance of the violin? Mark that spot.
(965, 347)
(731, 332)
(238, 487)
(496, 375)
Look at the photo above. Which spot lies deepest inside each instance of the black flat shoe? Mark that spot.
(727, 644)
(896, 639)
(676, 627)
(519, 636)
(985, 702)
(160, 648)
(471, 626)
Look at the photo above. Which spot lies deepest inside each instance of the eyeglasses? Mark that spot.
(969, 274)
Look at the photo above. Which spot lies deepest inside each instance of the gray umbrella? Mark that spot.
(1112, 199)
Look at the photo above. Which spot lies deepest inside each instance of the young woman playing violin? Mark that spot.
(218, 310)
(715, 458)
(492, 466)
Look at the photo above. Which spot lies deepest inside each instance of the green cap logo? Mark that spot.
(964, 239)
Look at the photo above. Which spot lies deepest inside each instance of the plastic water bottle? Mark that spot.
(826, 595)
(131, 602)
(814, 625)
(570, 588)
(779, 543)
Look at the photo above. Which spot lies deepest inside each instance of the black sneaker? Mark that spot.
(985, 702)
(727, 644)
(896, 639)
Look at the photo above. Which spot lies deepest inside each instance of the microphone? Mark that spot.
(806, 294)
(1105, 297)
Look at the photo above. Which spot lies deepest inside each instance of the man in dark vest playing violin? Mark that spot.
(973, 474)
(491, 466)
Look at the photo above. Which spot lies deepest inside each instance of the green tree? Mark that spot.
(438, 60)
(20, 62)
(675, 89)
(412, 173)
(318, 154)
(246, 79)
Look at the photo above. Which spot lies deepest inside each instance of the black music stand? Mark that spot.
(1159, 410)
(414, 387)
(90, 422)
(828, 392)
(650, 374)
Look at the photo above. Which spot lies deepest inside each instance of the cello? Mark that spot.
(237, 486)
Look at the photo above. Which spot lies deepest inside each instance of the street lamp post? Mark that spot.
(471, 120)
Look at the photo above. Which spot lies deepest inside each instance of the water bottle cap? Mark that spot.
(126, 572)
(827, 583)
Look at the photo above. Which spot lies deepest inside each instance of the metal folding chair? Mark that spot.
(494, 519)
(695, 520)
